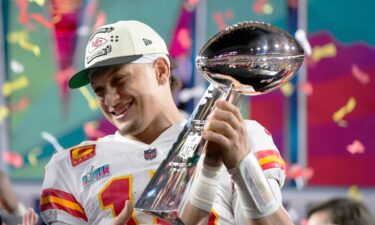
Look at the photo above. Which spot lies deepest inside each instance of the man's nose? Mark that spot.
(111, 97)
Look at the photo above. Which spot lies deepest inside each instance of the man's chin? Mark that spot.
(128, 129)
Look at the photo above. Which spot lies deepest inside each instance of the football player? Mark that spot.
(127, 65)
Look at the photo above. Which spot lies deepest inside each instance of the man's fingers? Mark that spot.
(226, 116)
(216, 138)
(220, 127)
(125, 214)
(227, 106)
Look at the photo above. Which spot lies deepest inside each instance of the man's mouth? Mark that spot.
(120, 113)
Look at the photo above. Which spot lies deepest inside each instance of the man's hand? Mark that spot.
(30, 217)
(227, 135)
(125, 214)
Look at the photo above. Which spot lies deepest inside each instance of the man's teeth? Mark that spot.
(125, 109)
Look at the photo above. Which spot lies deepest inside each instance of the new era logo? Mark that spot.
(147, 41)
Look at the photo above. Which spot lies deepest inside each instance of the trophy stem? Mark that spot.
(167, 193)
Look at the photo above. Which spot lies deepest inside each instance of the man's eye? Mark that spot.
(98, 91)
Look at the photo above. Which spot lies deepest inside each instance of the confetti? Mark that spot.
(23, 18)
(183, 38)
(20, 83)
(190, 5)
(287, 89)
(349, 107)
(20, 38)
(16, 36)
(299, 175)
(220, 18)
(62, 76)
(360, 75)
(32, 157)
(4, 113)
(91, 130)
(306, 87)
(93, 105)
(100, 20)
(354, 193)
(22, 104)
(258, 6)
(267, 9)
(356, 147)
(296, 171)
(52, 140)
(56, 19)
(13, 159)
(29, 46)
(325, 51)
(302, 39)
(39, 18)
(39, 2)
(16, 66)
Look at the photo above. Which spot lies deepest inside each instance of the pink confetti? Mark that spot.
(220, 18)
(360, 75)
(183, 38)
(13, 158)
(100, 20)
(39, 18)
(258, 6)
(91, 8)
(62, 76)
(21, 105)
(306, 87)
(356, 147)
(192, 3)
(23, 18)
(296, 171)
(90, 129)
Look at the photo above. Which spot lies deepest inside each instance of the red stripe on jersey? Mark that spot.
(60, 200)
(268, 152)
(269, 159)
(212, 220)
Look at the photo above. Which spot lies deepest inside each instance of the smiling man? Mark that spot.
(127, 65)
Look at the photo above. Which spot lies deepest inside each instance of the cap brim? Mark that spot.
(81, 78)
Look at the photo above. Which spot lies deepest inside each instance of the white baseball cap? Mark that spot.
(118, 43)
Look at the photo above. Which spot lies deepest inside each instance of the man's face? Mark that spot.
(127, 96)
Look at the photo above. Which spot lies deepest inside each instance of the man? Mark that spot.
(341, 211)
(127, 65)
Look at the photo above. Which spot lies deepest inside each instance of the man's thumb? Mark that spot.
(125, 214)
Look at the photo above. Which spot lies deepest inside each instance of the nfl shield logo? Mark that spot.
(150, 153)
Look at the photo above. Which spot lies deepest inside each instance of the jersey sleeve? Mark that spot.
(58, 204)
(222, 210)
(265, 150)
(227, 208)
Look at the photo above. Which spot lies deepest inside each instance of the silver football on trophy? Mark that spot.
(257, 57)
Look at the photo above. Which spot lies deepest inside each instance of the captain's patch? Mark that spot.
(81, 154)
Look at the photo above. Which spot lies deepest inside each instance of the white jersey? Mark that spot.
(89, 183)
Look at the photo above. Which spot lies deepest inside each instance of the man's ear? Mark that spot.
(162, 70)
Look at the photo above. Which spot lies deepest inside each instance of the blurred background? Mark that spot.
(323, 121)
